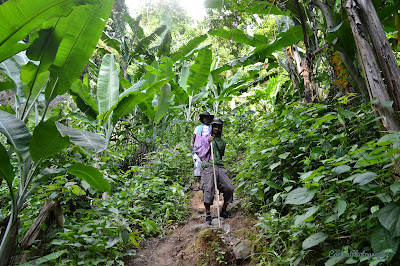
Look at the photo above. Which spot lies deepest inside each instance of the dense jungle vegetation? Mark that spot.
(98, 108)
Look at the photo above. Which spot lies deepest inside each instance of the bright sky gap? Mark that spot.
(194, 8)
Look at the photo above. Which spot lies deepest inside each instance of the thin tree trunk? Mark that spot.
(153, 138)
(293, 74)
(163, 128)
(297, 58)
(49, 211)
(10, 241)
(390, 69)
(302, 69)
(307, 62)
(375, 84)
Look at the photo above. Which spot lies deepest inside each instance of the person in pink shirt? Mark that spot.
(202, 130)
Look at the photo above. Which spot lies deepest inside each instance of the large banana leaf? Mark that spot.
(83, 100)
(164, 49)
(46, 141)
(107, 84)
(286, 38)
(6, 168)
(157, 73)
(250, 6)
(181, 96)
(81, 31)
(34, 83)
(240, 36)
(242, 61)
(134, 24)
(43, 50)
(132, 98)
(16, 132)
(199, 71)
(183, 79)
(6, 83)
(90, 141)
(91, 175)
(12, 68)
(215, 63)
(113, 43)
(164, 103)
(233, 80)
(147, 107)
(144, 43)
(164, 41)
(166, 66)
(19, 18)
(192, 44)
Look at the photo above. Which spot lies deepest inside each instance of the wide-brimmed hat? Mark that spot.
(206, 114)
(217, 121)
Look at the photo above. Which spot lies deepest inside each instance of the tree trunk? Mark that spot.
(165, 118)
(307, 62)
(303, 69)
(375, 84)
(10, 241)
(354, 73)
(293, 74)
(51, 212)
(390, 69)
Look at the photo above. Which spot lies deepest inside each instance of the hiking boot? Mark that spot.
(208, 220)
(225, 214)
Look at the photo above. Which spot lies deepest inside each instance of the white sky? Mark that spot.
(194, 8)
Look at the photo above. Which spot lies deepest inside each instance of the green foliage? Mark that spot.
(104, 231)
(24, 16)
(319, 177)
(323, 166)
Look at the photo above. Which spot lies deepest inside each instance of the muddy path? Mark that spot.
(178, 246)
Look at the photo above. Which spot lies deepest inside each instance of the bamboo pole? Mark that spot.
(215, 184)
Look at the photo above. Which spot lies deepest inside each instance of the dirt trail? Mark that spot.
(177, 247)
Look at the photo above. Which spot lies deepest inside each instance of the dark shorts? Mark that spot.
(223, 183)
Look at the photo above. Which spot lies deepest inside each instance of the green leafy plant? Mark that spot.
(32, 150)
(311, 164)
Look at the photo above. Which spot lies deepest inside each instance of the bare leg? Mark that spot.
(208, 213)
(208, 210)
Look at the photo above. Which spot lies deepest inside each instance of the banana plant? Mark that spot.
(109, 106)
(11, 69)
(32, 151)
(192, 80)
(263, 48)
(62, 34)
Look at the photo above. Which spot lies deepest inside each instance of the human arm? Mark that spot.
(192, 141)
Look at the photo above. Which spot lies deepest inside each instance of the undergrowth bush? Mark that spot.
(101, 231)
(322, 181)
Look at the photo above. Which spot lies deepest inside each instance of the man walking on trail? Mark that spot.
(202, 130)
(203, 150)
